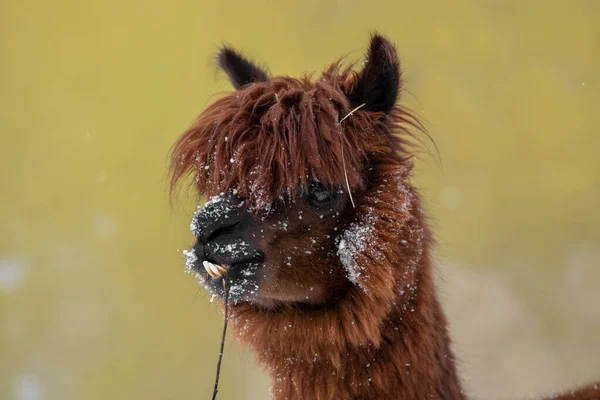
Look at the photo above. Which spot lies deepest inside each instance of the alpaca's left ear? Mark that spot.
(240, 70)
(377, 85)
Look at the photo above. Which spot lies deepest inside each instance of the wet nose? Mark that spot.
(218, 215)
(221, 227)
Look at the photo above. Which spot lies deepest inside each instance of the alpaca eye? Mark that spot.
(319, 196)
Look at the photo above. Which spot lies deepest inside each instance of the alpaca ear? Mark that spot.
(240, 70)
(377, 85)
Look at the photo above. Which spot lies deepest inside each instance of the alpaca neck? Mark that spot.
(413, 360)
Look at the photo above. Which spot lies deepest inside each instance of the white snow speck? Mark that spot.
(352, 242)
(190, 260)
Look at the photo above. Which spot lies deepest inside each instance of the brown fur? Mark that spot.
(279, 134)
(320, 336)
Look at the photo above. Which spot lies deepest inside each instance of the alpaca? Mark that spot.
(313, 223)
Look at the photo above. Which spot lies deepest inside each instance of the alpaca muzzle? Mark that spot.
(225, 248)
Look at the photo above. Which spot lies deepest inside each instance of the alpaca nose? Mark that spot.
(221, 227)
(219, 214)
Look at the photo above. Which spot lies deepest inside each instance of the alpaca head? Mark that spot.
(308, 195)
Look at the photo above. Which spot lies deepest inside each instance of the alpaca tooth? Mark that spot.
(221, 268)
(211, 269)
(215, 271)
(207, 267)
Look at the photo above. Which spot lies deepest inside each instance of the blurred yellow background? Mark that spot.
(94, 301)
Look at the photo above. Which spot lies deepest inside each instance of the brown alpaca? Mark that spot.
(315, 226)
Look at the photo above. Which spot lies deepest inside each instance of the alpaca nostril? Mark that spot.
(223, 230)
(218, 215)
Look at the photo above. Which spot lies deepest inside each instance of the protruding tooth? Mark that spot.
(207, 267)
(211, 269)
(221, 269)
(214, 270)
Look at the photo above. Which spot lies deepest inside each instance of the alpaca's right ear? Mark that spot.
(240, 70)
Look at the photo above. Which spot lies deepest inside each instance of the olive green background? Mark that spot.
(94, 303)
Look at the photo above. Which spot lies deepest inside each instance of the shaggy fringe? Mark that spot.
(269, 138)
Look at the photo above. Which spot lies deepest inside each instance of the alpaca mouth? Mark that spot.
(240, 278)
(226, 259)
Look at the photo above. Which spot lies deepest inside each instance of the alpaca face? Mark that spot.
(286, 258)
(282, 161)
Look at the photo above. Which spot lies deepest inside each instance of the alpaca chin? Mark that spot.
(314, 297)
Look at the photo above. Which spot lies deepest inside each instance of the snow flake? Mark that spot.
(354, 241)
(190, 260)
